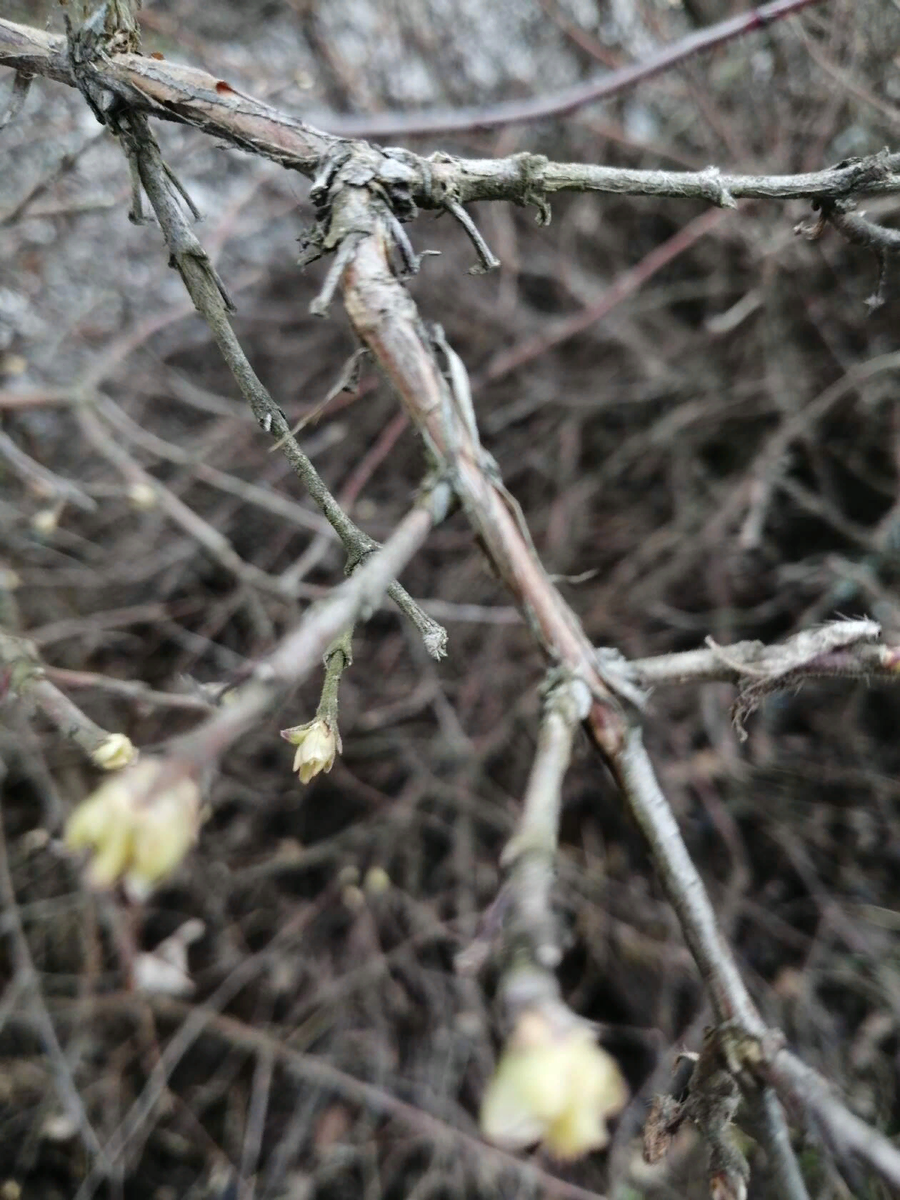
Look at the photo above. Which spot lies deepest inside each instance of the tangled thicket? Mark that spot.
(639, 432)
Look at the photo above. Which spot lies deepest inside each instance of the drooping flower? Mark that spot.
(139, 825)
(317, 744)
(552, 1085)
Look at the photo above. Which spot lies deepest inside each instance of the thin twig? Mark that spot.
(211, 301)
(132, 689)
(302, 649)
(23, 675)
(17, 97)
(45, 481)
(844, 648)
(27, 979)
(760, 1050)
(558, 104)
(315, 1071)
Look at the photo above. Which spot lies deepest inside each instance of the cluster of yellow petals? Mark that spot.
(138, 825)
(317, 744)
(552, 1085)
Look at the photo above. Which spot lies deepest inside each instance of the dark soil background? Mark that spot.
(649, 452)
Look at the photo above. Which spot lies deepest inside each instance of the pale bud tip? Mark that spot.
(115, 752)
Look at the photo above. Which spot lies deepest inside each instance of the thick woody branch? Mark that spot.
(386, 319)
(190, 96)
(175, 93)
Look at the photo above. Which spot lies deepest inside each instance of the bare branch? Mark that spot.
(193, 97)
(17, 97)
(212, 302)
(26, 977)
(23, 675)
(385, 318)
(175, 93)
(132, 689)
(558, 104)
(302, 649)
(845, 648)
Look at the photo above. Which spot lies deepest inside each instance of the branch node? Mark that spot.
(533, 187)
(713, 188)
(345, 251)
(487, 260)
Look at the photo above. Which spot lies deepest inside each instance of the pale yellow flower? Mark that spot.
(139, 825)
(317, 744)
(114, 752)
(554, 1086)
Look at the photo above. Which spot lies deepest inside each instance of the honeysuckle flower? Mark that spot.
(139, 825)
(317, 744)
(114, 752)
(552, 1085)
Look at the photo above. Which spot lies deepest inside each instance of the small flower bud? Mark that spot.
(376, 881)
(317, 744)
(115, 752)
(142, 496)
(552, 1085)
(45, 521)
(139, 824)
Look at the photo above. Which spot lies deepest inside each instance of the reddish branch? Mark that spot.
(385, 317)
(559, 104)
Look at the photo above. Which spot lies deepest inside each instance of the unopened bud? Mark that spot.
(115, 752)
(142, 496)
(45, 521)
